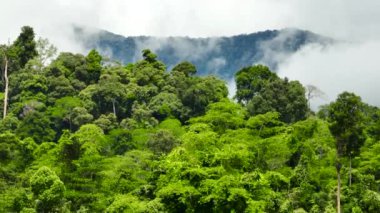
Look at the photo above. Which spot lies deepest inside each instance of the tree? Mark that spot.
(109, 93)
(262, 91)
(202, 92)
(63, 111)
(283, 96)
(80, 116)
(149, 56)
(36, 125)
(265, 125)
(6, 87)
(10, 155)
(59, 87)
(178, 82)
(106, 122)
(127, 203)
(222, 116)
(186, 68)
(120, 141)
(81, 154)
(9, 123)
(313, 92)
(93, 66)
(374, 128)
(346, 118)
(25, 46)
(162, 142)
(46, 51)
(141, 117)
(165, 105)
(70, 65)
(150, 71)
(251, 80)
(33, 87)
(48, 190)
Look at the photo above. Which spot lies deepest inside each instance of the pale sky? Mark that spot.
(352, 67)
(347, 19)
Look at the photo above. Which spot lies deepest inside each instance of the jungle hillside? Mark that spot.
(84, 133)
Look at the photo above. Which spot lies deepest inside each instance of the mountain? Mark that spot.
(221, 56)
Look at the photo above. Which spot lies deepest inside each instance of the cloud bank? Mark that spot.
(350, 66)
(349, 19)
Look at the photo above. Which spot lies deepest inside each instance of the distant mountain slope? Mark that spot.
(222, 56)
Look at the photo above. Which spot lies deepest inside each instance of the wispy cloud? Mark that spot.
(184, 48)
(351, 67)
(342, 67)
(350, 19)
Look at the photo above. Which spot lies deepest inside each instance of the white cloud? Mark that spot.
(343, 19)
(216, 64)
(231, 85)
(349, 19)
(348, 67)
(351, 67)
(183, 48)
(277, 50)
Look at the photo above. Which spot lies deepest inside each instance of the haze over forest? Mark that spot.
(351, 21)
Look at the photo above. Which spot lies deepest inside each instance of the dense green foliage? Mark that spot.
(83, 135)
(263, 91)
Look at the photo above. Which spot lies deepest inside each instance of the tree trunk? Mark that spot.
(70, 125)
(338, 189)
(113, 106)
(6, 88)
(350, 171)
(308, 97)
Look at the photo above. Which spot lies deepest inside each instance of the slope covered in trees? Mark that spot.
(82, 134)
(222, 56)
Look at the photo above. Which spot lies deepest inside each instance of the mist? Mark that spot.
(351, 67)
(350, 20)
(183, 47)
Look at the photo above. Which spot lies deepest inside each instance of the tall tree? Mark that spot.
(202, 92)
(186, 68)
(313, 92)
(48, 190)
(251, 80)
(346, 118)
(25, 45)
(109, 92)
(45, 51)
(94, 66)
(263, 91)
(6, 86)
(283, 96)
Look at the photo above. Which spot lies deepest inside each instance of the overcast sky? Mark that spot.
(352, 67)
(348, 19)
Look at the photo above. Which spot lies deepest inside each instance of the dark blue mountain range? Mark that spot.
(222, 56)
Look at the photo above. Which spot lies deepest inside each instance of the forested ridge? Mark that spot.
(82, 133)
(222, 56)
